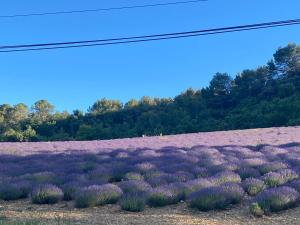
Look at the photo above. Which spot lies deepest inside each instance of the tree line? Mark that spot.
(268, 96)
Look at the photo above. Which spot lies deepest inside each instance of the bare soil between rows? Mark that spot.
(180, 214)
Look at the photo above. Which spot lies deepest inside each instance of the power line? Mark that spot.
(102, 9)
(257, 25)
(147, 38)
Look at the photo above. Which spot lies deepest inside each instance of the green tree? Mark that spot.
(218, 94)
(13, 135)
(18, 113)
(42, 111)
(104, 106)
(29, 134)
(287, 59)
(131, 104)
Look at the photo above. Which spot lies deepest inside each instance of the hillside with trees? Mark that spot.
(268, 96)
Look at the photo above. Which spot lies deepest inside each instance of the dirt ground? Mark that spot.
(64, 213)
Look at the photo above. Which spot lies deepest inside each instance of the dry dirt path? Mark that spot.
(64, 213)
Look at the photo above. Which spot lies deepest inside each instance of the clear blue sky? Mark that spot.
(76, 78)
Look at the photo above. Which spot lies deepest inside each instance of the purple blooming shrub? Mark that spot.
(271, 150)
(135, 186)
(14, 190)
(227, 167)
(98, 195)
(288, 174)
(273, 179)
(149, 153)
(70, 190)
(88, 166)
(42, 178)
(296, 185)
(200, 172)
(133, 202)
(277, 199)
(196, 185)
(233, 191)
(165, 195)
(145, 167)
(46, 194)
(247, 172)
(133, 176)
(100, 174)
(218, 197)
(253, 186)
(253, 162)
(211, 162)
(174, 166)
(271, 167)
(166, 178)
(122, 155)
(225, 177)
(182, 176)
(153, 173)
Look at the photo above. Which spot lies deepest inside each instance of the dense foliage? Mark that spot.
(268, 96)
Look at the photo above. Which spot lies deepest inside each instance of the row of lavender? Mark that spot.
(266, 177)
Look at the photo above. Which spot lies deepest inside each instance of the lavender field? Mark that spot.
(258, 169)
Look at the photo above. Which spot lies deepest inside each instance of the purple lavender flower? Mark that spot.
(46, 194)
(253, 186)
(253, 162)
(133, 202)
(197, 185)
(247, 172)
(98, 195)
(145, 167)
(166, 195)
(14, 190)
(135, 186)
(296, 185)
(133, 176)
(272, 167)
(225, 177)
(218, 197)
(277, 199)
(288, 174)
(274, 179)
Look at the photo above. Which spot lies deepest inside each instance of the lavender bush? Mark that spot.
(135, 186)
(233, 191)
(196, 185)
(133, 202)
(253, 186)
(165, 195)
(225, 177)
(247, 172)
(216, 197)
(46, 194)
(271, 167)
(98, 195)
(70, 190)
(14, 190)
(208, 199)
(133, 176)
(277, 199)
(273, 179)
(288, 174)
(296, 185)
